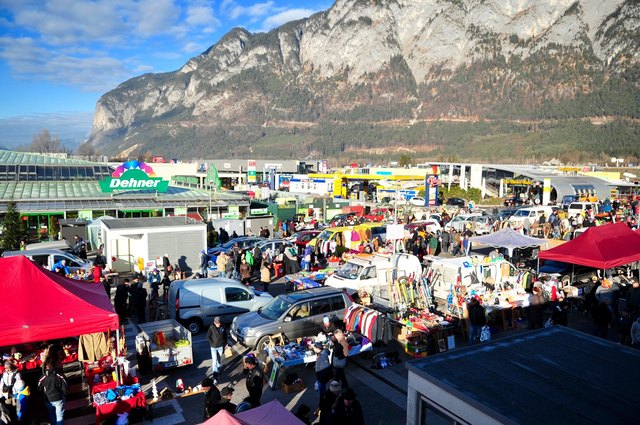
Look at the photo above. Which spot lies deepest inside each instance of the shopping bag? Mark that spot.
(485, 334)
(228, 353)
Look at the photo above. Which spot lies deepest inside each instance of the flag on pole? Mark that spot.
(213, 178)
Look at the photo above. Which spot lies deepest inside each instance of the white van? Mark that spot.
(532, 213)
(48, 257)
(576, 208)
(196, 302)
(373, 273)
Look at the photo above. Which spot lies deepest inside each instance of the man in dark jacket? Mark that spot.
(328, 400)
(254, 381)
(217, 341)
(225, 402)
(602, 318)
(211, 398)
(347, 410)
(54, 389)
(477, 319)
(140, 302)
(120, 300)
(324, 371)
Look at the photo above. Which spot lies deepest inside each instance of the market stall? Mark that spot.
(601, 247)
(307, 279)
(44, 307)
(508, 239)
(297, 353)
(117, 400)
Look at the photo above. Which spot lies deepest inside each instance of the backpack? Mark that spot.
(485, 334)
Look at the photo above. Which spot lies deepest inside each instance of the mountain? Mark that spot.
(492, 80)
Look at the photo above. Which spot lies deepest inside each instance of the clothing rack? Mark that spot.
(370, 323)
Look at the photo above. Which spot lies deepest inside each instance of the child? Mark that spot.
(21, 395)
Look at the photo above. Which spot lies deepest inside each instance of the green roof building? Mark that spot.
(47, 188)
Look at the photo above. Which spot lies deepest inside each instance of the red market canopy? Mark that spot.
(39, 305)
(601, 247)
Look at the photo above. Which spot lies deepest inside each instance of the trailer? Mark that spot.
(167, 343)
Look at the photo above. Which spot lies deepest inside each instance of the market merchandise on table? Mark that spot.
(301, 351)
(31, 356)
(491, 279)
(167, 342)
(121, 399)
(308, 279)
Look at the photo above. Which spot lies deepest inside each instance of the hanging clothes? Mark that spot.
(92, 347)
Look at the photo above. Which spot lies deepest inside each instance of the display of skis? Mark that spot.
(412, 291)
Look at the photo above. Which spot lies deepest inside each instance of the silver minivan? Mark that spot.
(48, 257)
(294, 314)
(196, 302)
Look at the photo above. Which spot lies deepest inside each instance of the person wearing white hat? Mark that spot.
(327, 400)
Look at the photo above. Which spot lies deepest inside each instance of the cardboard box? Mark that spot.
(416, 351)
(294, 388)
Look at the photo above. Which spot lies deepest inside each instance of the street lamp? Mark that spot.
(210, 193)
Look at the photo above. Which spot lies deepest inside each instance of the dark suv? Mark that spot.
(458, 202)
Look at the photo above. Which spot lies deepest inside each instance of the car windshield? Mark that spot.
(325, 235)
(76, 259)
(521, 213)
(349, 271)
(275, 308)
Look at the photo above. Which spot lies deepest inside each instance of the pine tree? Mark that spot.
(11, 233)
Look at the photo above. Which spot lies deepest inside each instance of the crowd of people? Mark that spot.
(17, 404)
(337, 403)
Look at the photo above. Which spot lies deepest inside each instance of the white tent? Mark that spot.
(509, 239)
(93, 231)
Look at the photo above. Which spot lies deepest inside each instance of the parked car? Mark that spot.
(379, 214)
(294, 314)
(275, 245)
(530, 213)
(576, 208)
(341, 219)
(514, 201)
(429, 225)
(505, 214)
(567, 200)
(459, 222)
(482, 225)
(457, 202)
(48, 257)
(242, 242)
(195, 303)
(301, 239)
(417, 201)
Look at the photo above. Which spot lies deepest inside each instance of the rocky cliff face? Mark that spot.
(379, 63)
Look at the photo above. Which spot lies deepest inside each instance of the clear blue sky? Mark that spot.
(57, 57)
